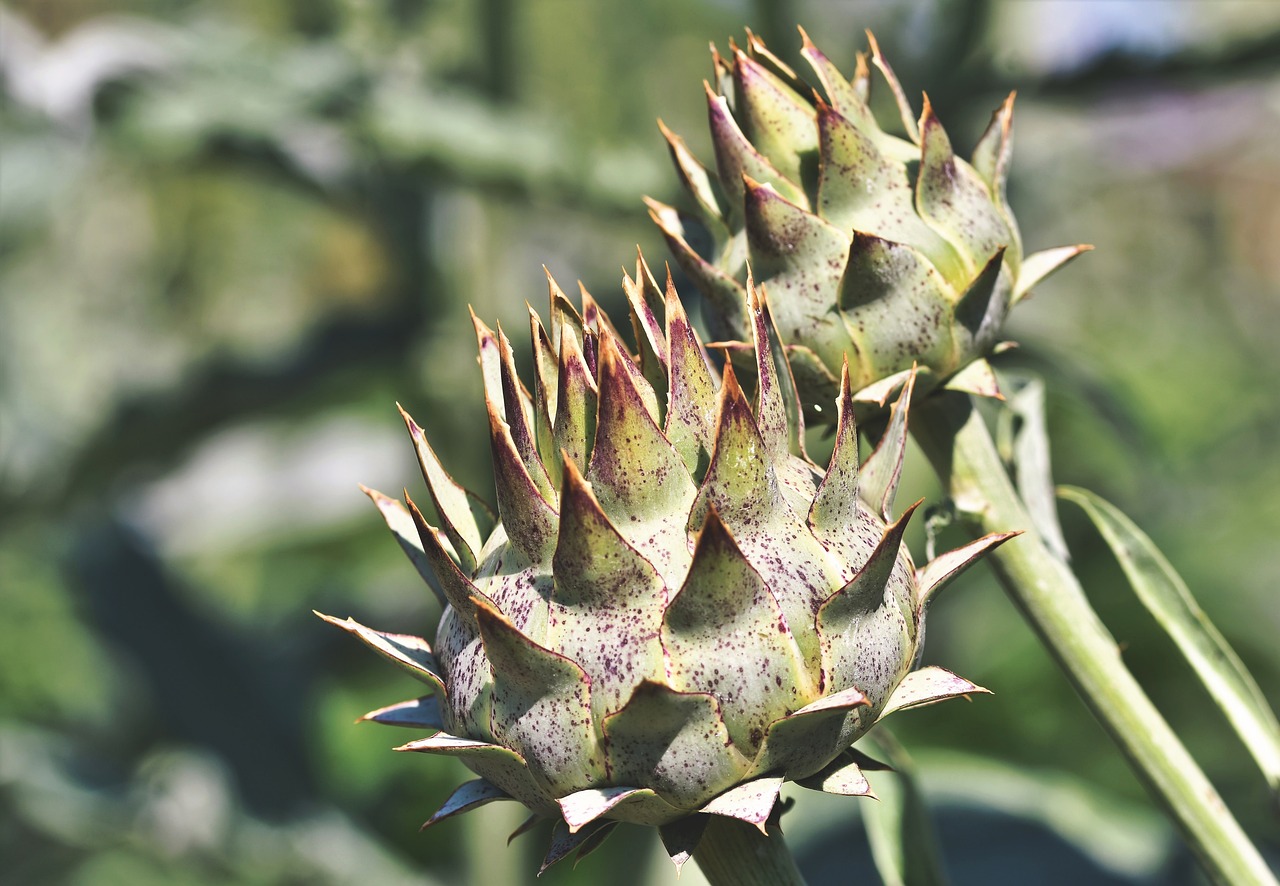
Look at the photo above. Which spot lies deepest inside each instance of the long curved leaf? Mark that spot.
(1167, 597)
(904, 844)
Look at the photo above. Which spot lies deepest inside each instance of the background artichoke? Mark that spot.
(678, 610)
(875, 241)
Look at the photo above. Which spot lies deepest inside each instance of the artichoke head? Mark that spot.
(888, 250)
(677, 610)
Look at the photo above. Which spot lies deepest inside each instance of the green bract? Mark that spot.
(678, 610)
(887, 250)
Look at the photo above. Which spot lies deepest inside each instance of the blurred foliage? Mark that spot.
(233, 234)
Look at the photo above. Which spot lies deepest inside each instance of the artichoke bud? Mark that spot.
(675, 609)
(884, 249)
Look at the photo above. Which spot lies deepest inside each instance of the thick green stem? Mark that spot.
(957, 442)
(734, 853)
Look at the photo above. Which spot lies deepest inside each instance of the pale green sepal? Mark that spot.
(860, 189)
(546, 368)
(776, 120)
(416, 713)
(725, 294)
(813, 377)
(411, 653)
(991, 159)
(724, 633)
(928, 686)
(530, 521)
(648, 395)
(991, 155)
(761, 54)
(749, 496)
(771, 339)
(862, 595)
(867, 630)
(694, 176)
(594, 841)
(1164, 593)
(981, 310)
(648, 331)
(878, 480)
(521, 419)
(835, 505)
(740, 481)
(563, 314)
(841, 776)
(773, 417)
(675, 742)
(467, 796)
(1038, 265)
(639, 479)
(490, 362)
(563, 841)
(465, 518)
(458, 589)
(546, 382)
(899, 96)
(501, 766)
(681, 837)
(577, 402)
(541, 707)
(953, 199)
(402, 527)
(891, 297)
(938, 573)
(737, 158)
(606, 606)
(879, 392)
(634, 805)
(751, 801)
(583, 807)
(691, 390)
(802, 743)
(524, 827)
(799, 258)
(841, 93)
(977, 378)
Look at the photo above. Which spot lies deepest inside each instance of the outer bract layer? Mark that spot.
(677, 610)
(888, 250)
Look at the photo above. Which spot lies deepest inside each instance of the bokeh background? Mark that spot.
(234, 233)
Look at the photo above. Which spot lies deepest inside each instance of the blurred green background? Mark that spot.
(234, 233)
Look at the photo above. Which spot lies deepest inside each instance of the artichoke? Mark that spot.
(678, 610)
(887, 250)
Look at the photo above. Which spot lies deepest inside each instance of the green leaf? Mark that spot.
(1024, 441)
(1167, 597)
(899, 827)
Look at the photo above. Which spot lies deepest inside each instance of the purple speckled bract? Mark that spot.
(673, 609)
(888, 250)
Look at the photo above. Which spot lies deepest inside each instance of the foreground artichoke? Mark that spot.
(678, 611)
(887, 250)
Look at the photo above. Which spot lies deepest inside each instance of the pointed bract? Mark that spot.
(467, 796)
(411, 653)
(928, 686)
(660, 737)
(402, 527)
(417, 713)
(878, 482)
(936, 574)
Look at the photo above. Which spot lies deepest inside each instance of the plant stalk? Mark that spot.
(734, 853)
(957, 442)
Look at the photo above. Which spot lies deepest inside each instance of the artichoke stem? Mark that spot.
(734, 853)
(958, 444)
